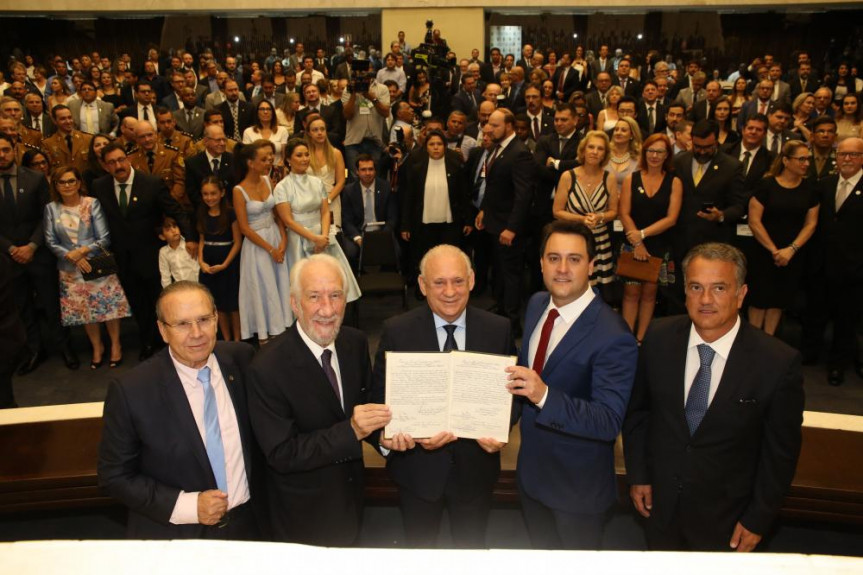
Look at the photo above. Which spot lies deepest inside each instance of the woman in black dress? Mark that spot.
(650, 201)
(783, 214)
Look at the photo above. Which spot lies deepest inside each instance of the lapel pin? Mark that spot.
(135, 199)
(230, 378)
(857, 193)
(715, 167)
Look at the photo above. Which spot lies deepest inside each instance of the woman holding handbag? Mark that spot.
(77, 233)
(650, 201)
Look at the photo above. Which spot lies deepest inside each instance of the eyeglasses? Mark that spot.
(70, 182)
(203, 323)
(849, 154)
(657, 152)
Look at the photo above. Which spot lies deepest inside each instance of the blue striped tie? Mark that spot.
(696, 403)
(212, 432)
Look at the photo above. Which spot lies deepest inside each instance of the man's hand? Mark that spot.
(525, 382)
(192, 248)
(406, 236)
(399, 442)
(466, 230)
(478, 221)
(22, 254)
(358, 240)
(507, 237)
(642, 498)
(368, 417)
(490, 445)
(212, 506)
(712, 215)
(437, 441)
(743, 539)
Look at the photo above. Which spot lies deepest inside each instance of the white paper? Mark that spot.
(461, 392)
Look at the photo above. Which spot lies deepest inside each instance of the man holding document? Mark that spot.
(441, 470)
(574, 377)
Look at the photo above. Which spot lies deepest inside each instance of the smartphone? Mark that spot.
(707, 206)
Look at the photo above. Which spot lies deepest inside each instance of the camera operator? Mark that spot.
(365, 110)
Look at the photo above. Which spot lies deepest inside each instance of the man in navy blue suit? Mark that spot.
(365, 201)
(574, 377)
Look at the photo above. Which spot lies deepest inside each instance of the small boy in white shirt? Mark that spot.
(175, 263)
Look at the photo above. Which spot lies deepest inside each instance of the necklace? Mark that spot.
(620, 159)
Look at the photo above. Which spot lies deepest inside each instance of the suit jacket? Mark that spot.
(572, 82)
(722, 184)
(195, 128)
(315, 463)
(48, 126)
(739, 463)
(278, 97)
(633, 88)
(414, 192)
(796, 88)
(546, 123)
(515, 101)
(59, 153)
(841, 233)
(353, 211)
(171, 102)
(92, 232)
(784, 92)
(594, 104)
(245, 112)
(747, 110)
(549, 147)
(461, 101)
(135, 237)
(659, 124)
(758, 165)
(25, 224)
(688, 99)
(198, 167)
(566, 459)
(509, 189)
(151, 448)
(425, 473)
(699, 111)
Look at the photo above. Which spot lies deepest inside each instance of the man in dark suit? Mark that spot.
(595, 99)
(237, 114)
(509, 188)
(172, 101)
(515, 101)
(443, 472)
(573, 380)
(540, 118)
(142, 108)
(135, 204)
(712, 434)
(23, 196)
(839, 269)
(467, 99)
(801, 80)
(778, 135)
(35, 116)
(213, 161)
(758, 105)
(630, 87)
(190, 119)
(751, 153)
(177, 447)
(310, 426)
(490, 70)
(566, 79)
(650, 112)
(365, 201)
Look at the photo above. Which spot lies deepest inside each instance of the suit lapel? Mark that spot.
(351, 381)
(677, 374)
(231, 375)
(579, 330)
(853, 197)
(531, 319)
(306, 363)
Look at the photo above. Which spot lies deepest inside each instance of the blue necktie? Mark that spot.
(696, 403)
(450, 344)
(212, 432)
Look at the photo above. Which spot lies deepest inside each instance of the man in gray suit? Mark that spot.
(90, 115)
(190, 119)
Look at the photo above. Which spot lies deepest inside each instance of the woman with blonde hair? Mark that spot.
(287, 113)
(625, 149)
(607, 117)
(327, 164)
(587, 195)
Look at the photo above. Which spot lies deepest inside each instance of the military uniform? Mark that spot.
(128, 146)
(59, 152)
(182, 141)
(828, 169)
(230, 143)
(169, 165)
(22, 149)
(29, 135)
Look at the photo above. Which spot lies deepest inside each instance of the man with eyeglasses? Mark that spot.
(135, 204)
(823, 139)
(176, 444)
(836, 297)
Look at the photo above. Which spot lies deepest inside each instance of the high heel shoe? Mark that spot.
(96, 364)
(115, 362)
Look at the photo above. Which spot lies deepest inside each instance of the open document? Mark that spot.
(459, 391)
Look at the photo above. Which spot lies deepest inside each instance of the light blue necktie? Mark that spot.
(696, 403)
(369, 205)
(212, 432)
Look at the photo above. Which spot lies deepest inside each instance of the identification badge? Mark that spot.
(365, 111)
(617, 226)
(743, 230)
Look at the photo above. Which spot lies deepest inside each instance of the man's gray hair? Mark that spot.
(184, 285)
(445, 249)
(716, 251)
(297, 271)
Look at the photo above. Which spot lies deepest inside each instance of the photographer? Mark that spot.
(366, 106)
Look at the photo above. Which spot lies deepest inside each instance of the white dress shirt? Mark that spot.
(568, 316)
(459, 334)
(186, 508)
(852, 183)
(721, 346)
(151, 115)
(175, 264)
(128, 183)
(318, 351)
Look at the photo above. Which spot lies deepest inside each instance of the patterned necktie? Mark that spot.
(212, 432)
(124, 199)
(331, 373)
(696, 402)
(491, 159)
(215, 165)
(38, 123)
(9, 196)
(450, 344)
(235, 118)
(699, 173)
(841, 194)
(544, 337)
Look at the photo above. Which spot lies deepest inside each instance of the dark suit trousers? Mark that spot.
(142, 293)
(468, 518)
(40, 277)
(837, 300)
(690, 530)
(478, 244)
(554, 529)
(508, 268)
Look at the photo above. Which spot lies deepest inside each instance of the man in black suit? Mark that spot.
(650, 114)
(540, 118)
(801, 80)
(489, 71)
(778, 135)
(443, 472)
(213, 161)
(236, 113)
(705, 108)
(35, 116)
(364, 201)
(177, 447)
(135, 204)
(839, 269)
(712, 434)
(566, 79)
(509, 192)
(630, 87)
(467, 99)
(595, 99)
(142, 108)
(334, 120)
(515, 101)
(23, 196)
(310, 425)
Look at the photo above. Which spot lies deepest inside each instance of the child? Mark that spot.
(175, 263)
(217, 254)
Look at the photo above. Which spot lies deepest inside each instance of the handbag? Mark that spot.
(101, 265)
(630, 268)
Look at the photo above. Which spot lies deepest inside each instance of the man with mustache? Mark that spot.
(307, 402)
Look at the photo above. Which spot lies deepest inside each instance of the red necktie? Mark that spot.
(542, 348)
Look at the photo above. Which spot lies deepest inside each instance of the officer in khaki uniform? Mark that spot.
(11, 108)
(7, 126)
(171, 136)
(166, 162)
(67, 146)
(30, 136)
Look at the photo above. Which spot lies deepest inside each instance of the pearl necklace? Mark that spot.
(620, 159)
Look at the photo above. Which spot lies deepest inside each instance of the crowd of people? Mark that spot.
(522, 173)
